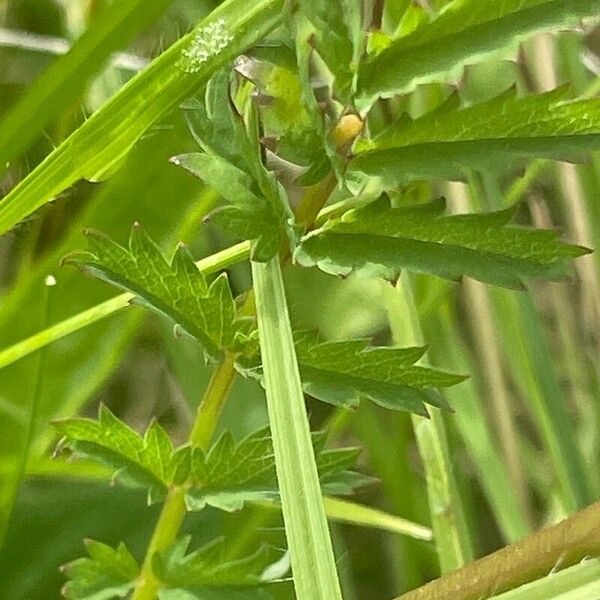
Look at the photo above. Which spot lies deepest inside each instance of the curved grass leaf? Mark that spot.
(466, 32)
(494, 135)
(177, 289)
(113, 28)
(379, 240)
(89, 153)
(107, 574)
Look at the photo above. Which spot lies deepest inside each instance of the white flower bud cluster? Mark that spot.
(208, 41)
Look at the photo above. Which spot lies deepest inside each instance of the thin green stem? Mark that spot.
(212, 404)
(561, 545)
(174, 509)
(165, 533)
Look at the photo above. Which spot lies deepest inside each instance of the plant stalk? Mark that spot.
(174, 509)
(561, 545)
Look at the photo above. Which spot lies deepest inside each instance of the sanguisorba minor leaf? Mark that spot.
(307, 532)
(147, 461)
(95, 147)
(345, 372)
(257, 207)
(494, 135)
(177, 289)
(466, 32)
(107, 573)
(229, 475)
(381, 240)
(210, 573)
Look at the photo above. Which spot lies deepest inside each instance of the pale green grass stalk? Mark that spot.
(445, 506)
(313, 561)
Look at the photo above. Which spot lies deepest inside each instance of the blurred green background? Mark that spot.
(525, 436)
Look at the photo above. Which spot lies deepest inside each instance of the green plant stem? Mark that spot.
(211, 406)
(561, 545)
(165, 533)
(211, 264)
(447, 518)
(174, 508)
(307, 532)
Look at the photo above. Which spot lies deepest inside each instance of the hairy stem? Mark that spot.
(174, 509)
(561, 545)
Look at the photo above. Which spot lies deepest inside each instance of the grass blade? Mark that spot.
(447, 518)
(313, 562)
(90, 153)
(113, 28)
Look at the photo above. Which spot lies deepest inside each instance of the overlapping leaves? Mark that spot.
(467, 31)
(106, 574)
(494, 135)
(147, 461)
(344, 372)
(231, 164)
(177, 289)
(207, 573)
(338, 38)
(225, 477)
(380, 240)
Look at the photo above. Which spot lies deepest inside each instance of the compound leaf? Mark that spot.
(107, 574)
(498, 134)
(209, 573)
(232, 165)
(230, 475)
(344, 372)
(148, 462)
(177, 289)
(380, 240)
(466, 32)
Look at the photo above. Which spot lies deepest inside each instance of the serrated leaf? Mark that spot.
(177, 289)
(107, 574)
(230, 475)
(345, 372)
(379, 240)
(232, 165)
(147, 462)
(209, 572)
(495, 135)
(249, 215)
(337, 38)
(466, 32)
